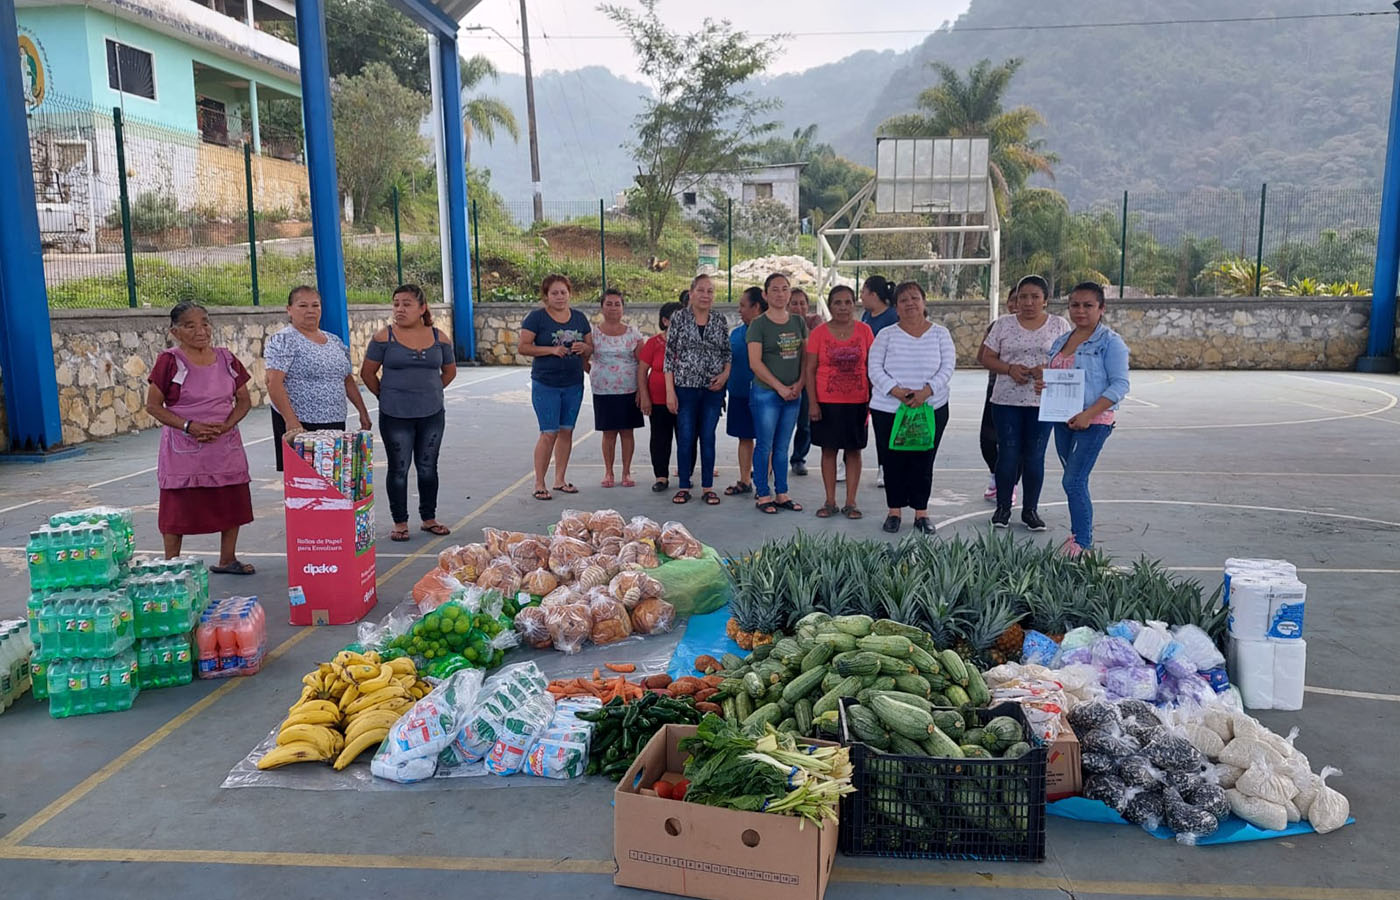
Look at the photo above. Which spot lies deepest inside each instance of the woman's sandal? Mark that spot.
(739, 487)
(790, 504)
(852, 512)
(767, 507)
(437, 528)
(234, 568)
(566, 488)
(399, 534)
(627, 481)
(659, 486)
(607, 482)
(710, 498)
(541, 494)
(827, 511)
(682, 496)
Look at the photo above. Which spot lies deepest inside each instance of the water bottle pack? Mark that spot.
(118, 520)
(15, 667)
(81, 622)
(164, 603)
(71, 556)
(195, 567)
(164, 661)
(78, 687)
(231, 638)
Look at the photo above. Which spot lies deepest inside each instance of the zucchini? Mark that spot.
(818, 657)
(806, 638)
(878, 682)
(832, 698)
(839, 640)
(977, 688)
(813, 619)
(786, 707)
(953, 666)
(973, 735)
(1006, 729)
(754, 685)
(729, 709)
(904, 718)
(857, 663)
(760, 653)
(787, 652)
(936, 682)
(803, 684)
(895, 667)
(975, 751)
(950, 722)
(743, 706)
(788, 726)
(913, 684)
(905, 747)
(939, 744)
(856, 626)
(889, 803)
(891, 628)
(957, 696)
(925, 662)
(731, 687)
(993, 742)
(1016, 750)
(830, 680)
(866, 727)
(772, 695)
(898, 647)
(730, 661)
(802, 712)
(910, 699)
(767, 714)
(940, 699)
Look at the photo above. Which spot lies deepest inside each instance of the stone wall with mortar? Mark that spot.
(102, 357)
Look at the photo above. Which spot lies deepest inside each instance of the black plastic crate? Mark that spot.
(925, 807)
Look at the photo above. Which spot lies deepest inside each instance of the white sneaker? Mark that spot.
(880, 477)
(990, 494)
(840, 469)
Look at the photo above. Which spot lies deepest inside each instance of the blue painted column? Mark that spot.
(320, 165)
(463, 327)
(26, 340)
(1380, 344)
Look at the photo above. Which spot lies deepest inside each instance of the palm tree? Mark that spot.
(972, 107)
(481, 115)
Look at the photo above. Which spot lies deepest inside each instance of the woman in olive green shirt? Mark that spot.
(776, 340)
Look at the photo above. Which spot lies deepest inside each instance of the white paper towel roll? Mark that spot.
(1252, 671)
(1286, 603)
(1249, 607)
(1290, 668)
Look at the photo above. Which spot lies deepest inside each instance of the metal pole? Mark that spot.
(398, 235)
(1380, 344)
(252, 224)
(1259, 246)
(729, 230)
(602, 243)
(476, 244)
(1123, 251)
(440, 158)
(530, 111)
(463, 321)
(125, 198)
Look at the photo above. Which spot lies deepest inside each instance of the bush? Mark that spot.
(151, 212)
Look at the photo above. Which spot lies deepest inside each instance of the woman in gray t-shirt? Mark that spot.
(308, 374)
(407, 365)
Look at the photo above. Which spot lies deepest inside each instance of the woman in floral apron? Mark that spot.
(199, 393)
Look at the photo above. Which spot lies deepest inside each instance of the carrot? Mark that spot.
(620, 667)
(597, 675)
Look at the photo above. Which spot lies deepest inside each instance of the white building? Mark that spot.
(775, 182)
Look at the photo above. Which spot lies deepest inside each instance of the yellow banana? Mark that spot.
(352, 692)
(324, 739)
(383, 677)
(381, 697)
(325, 670)
(359, 673)
(298, 751)
(403, 665)
(313, 680)
(362, 742)
(309, 705)
(408, 680)
(375, 718)
(308, 695)
(348, 657)
(338, 689)
(312, 717)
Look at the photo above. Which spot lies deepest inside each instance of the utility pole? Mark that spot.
(530, 109)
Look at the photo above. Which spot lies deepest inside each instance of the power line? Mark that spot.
(1048, 26)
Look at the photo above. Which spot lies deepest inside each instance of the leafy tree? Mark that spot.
(362, 32)
(972, 107)
(699, 119)
(828, 180)
(1042, 237)
(376, 133)
(480, 114)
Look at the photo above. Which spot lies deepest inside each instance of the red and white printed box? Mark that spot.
(330, 549)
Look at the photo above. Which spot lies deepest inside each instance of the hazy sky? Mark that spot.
(581, 36)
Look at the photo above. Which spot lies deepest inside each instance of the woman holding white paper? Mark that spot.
(1101, 354)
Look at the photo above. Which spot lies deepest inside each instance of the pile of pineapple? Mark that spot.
(978, 597)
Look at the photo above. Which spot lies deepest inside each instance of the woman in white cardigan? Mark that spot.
(911, 363)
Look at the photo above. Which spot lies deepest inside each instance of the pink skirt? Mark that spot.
(204, 510)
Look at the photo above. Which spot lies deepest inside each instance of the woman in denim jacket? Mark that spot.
(1101, 353)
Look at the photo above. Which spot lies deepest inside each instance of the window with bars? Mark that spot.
(130, 70)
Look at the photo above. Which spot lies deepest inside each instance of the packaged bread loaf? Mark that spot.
(640, 528)
(678, 543)
(573, 524)
(606, 523)
(569, 626)
(654, 616)
(633, 587)
(611, 621)
(533, 628)
(638, 555)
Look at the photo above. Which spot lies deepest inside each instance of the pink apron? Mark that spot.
(206, 395)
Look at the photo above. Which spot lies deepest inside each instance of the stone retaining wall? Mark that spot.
(102, 357)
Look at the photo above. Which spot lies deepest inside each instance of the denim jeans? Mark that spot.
(415, 441)
(774, 420)
(1021, 440)
(556, 408)
(802, 433)
(1078, 451)
(697, 416)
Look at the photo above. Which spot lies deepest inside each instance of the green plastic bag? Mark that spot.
(913, 428)
(694, 586)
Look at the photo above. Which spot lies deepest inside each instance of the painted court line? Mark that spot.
(1357, 695)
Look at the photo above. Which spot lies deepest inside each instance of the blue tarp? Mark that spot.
(703, 634)
(1232, 831)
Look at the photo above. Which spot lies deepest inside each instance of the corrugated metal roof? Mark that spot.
(457, 9)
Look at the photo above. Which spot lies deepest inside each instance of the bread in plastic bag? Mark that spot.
(472, 557)
(531, 553)
(678, 543)
(634, 587)
(606, 523)
(434, 589)
(638, 554)
(609, 563)
(574, 524)
(501, 576)
(1258, 812)
(653, 616)
(533, 627)
(562, 595)
(569, 626)
(498, 543)
(591, 575)
(611, 620)
(565, 551)
(1330, 808)
(609, 546)
(640, 528)
(539, 582)
(1267, 783)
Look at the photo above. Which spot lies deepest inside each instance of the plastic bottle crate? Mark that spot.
(947, 808)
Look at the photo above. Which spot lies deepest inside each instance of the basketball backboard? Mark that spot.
(931, 175)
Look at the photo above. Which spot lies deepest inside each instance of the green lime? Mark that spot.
(450, 611)
(470, 654)
(462, 626)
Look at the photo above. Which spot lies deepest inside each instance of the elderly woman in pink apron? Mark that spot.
(199, 392)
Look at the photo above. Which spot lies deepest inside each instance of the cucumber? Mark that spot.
(802, 712)
(913, 684)
(856, 626)
(803, 684)
(818, 657)
(977, 688)
(898, 647)
(953, 666)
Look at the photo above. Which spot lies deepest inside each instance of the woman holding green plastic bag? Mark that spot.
(910, 367)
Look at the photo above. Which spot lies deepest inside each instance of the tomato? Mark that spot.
(678, 791)
(663, 789)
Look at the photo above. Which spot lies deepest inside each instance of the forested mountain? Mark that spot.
(1138, 108)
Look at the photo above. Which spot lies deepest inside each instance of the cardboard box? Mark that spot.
(330, 574)
(1062, 776)
(704, 851)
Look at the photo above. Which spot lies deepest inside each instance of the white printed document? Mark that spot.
(1063, 397)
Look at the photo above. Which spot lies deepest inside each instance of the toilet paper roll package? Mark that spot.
(1249, 607)
(1290, 669)
(1252, 671)
(1271, 567)
(1286, 600)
